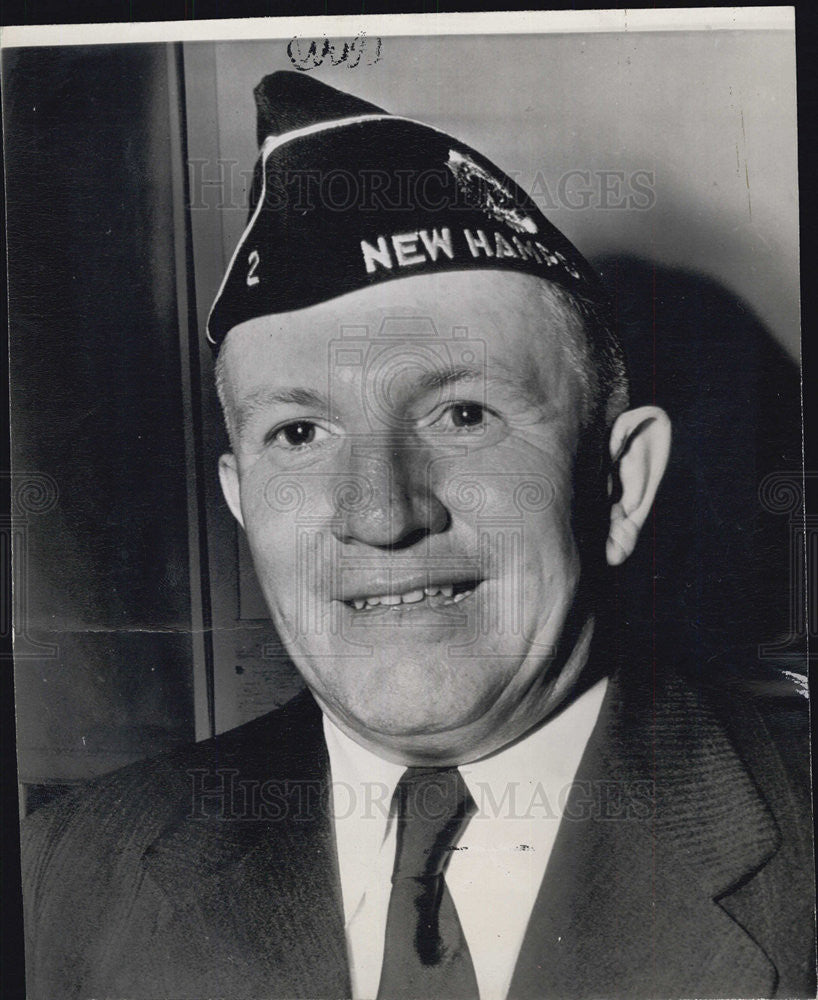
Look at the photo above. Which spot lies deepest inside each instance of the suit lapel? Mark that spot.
(256, 896)
(663, 836)
(663, 825)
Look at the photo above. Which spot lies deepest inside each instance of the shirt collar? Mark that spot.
(546, 758)
(362, 788)
(544, 761)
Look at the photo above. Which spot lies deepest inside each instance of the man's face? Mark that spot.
(403, 469)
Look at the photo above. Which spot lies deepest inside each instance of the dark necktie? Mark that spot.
(426, 956)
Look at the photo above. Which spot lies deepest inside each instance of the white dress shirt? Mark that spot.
(494, 875)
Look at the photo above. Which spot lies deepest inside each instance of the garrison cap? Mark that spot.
(346, 195)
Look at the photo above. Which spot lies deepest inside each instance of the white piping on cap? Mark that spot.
(273, 142)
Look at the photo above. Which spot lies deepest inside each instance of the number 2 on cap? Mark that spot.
(253, 261)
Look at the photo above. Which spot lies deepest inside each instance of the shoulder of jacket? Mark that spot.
(116, 815)
(765, 709)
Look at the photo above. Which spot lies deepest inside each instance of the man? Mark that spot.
(491, 789)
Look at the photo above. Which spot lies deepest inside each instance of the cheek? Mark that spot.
(550, 568)
(515, 501)
(271, 516)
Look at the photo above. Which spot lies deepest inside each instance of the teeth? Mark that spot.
(446, 590)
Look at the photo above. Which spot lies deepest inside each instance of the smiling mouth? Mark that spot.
(434, 596)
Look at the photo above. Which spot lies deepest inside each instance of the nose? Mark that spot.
(387, 500)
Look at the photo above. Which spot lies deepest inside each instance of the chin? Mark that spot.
(414, 700)
(394, 721)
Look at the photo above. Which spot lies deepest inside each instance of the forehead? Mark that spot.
(489, 318)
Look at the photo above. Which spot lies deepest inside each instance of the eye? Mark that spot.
(467, 415)
(464, 416)
(299, 434)
(464, 422)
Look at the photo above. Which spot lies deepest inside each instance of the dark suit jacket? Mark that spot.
(684, 868)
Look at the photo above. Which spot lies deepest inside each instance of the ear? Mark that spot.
(640, 445)
(231, 488)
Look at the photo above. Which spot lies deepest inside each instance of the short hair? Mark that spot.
(597, 358)
(221, 391)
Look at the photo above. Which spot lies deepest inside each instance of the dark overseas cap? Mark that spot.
(346, 195)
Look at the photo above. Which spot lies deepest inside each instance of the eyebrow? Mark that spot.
(495, 372)
(263, 399)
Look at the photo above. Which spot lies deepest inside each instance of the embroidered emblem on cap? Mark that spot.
(484, 191)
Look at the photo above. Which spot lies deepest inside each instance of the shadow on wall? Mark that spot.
(720, 560)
